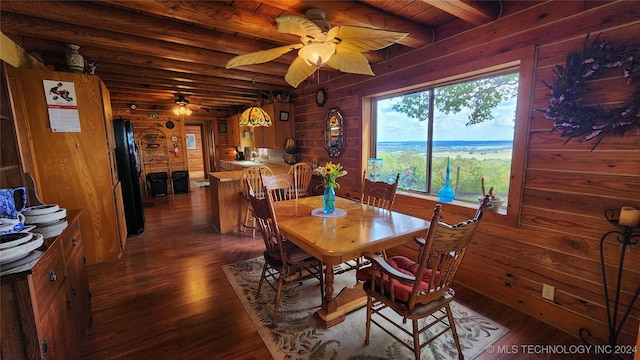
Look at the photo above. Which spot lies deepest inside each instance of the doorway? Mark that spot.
(196, 150)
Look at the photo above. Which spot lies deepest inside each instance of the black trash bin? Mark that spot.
(158, 183)
(180, 182)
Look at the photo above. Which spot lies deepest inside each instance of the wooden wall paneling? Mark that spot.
(599, 162)
(565, 186)
(548, 140)
(587, 183)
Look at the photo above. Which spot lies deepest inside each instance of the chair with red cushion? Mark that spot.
(418, 289)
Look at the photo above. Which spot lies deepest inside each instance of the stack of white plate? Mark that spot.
(18, 251)
(48, 219)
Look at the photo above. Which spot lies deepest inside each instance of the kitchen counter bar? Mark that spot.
(228, 207)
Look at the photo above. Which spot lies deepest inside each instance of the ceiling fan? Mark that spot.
(340, 47)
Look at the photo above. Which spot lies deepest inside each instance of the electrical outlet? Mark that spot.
(548, 292)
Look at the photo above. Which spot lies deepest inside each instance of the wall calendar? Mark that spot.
(62, 106)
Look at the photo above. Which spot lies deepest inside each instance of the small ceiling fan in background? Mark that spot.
(340, 47)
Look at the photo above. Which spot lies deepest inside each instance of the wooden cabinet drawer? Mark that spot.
(48, 275)
(70, 239)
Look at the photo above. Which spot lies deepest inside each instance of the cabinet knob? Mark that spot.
(74, 291)
(69, 304)
(53, 276)
(74, 242)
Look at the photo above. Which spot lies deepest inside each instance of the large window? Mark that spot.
(469, 123)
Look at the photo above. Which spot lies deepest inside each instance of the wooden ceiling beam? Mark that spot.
(213, 15)
(145, 62)
(140, 25)
(233, 20)
(106, 41)
(136, 87)
(475, 12)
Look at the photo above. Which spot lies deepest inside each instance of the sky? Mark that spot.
(400, 127)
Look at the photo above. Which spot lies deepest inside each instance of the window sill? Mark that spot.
(466, 204)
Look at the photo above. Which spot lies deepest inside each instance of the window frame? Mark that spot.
(522, 62)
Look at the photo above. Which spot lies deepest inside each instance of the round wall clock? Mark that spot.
(321, 97)
(170, 124)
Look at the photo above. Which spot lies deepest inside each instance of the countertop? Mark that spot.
(277, 168)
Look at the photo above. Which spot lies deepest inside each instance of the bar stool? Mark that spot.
(253, 176)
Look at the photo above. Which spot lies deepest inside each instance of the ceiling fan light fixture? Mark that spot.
(182, 109)
(316, 54)
(254, 117)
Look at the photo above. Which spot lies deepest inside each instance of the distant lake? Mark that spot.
(439, 146)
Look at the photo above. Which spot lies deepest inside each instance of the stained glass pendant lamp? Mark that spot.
(254, 117)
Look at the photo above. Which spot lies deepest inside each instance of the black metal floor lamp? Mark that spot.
(626, 236)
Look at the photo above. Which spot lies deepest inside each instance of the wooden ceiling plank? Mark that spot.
(213, 15)
(475, 12)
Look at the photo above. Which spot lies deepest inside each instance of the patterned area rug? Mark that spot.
(296, 336)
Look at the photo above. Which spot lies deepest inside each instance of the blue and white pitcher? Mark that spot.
(12, 201)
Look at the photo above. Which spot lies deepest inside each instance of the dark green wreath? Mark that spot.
(571, 116)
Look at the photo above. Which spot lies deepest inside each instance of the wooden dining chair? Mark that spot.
(380, 194)
(419, 289)
(279, 187)
(301, 173)
(251, 177)
(284, 262)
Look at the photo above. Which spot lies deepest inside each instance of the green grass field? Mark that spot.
(467, 170)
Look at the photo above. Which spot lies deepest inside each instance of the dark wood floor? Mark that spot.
(167, 297)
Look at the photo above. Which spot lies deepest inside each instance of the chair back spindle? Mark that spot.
(301, 173)
(280, 187)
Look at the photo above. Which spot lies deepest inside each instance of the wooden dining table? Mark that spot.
(337, 239)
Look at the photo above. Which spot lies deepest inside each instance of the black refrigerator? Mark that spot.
(129, 174)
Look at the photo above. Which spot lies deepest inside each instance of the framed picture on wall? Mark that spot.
(284, 116)
(191, 141)
(222, 127)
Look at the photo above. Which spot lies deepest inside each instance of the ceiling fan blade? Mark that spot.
(302, 27)
(298, 71)
(356, 38)
(261, 56)
(350, 62)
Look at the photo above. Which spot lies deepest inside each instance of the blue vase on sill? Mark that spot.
(329, 200)
(447, 194)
